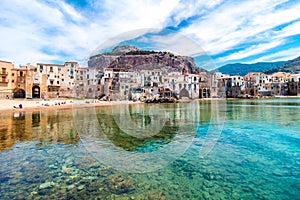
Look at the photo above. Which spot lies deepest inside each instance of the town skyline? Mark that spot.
(229, 32)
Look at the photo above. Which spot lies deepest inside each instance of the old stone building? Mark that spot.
(60, 79)
(5, 79)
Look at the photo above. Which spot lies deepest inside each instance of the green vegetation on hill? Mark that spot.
(242, 69)
(292, 66)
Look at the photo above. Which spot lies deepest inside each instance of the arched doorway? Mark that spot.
(36, 92)
(19, 93)
(184, 93)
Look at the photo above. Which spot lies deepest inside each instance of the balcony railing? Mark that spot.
(3, 73)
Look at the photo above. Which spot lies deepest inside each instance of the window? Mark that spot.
(59, 69)
(57, 82)
(41, 68)
(13, 74)
(21, 73)
(62, 80)
(51, 69)
(72, 65)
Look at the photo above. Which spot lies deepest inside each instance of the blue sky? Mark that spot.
(55, 31)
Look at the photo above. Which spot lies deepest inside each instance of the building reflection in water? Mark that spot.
(44, 127)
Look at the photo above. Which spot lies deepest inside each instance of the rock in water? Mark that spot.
(46, 185)
(119, 184)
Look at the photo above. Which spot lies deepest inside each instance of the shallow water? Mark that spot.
(246, 149)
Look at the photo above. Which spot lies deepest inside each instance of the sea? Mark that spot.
(202, 149)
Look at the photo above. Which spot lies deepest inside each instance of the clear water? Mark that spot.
(246, 149)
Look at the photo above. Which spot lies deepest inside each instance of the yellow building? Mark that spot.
(18, 81)
(5, 79)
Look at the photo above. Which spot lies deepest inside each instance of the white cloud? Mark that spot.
(187, 9)
(30, 29)
(252, 50)
(235, 23)
(75, 15)
(57, 26)
(283, 55)
(292, 29)
(176, 43)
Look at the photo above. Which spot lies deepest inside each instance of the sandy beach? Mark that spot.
(7, 105)
(30, 104)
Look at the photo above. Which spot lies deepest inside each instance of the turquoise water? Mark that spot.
(245, 149)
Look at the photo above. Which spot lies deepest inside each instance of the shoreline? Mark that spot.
(7, 105)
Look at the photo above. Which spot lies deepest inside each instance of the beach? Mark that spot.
(7, 105)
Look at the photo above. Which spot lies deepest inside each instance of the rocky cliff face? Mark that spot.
(129, 57)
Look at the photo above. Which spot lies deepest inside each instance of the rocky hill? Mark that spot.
(129, 57)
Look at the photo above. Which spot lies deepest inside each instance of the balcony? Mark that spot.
(3, 73)
(3, 82)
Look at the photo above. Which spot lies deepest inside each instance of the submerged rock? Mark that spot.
(119, 184)
(66, 170)
(46, 185)
(80, 187)
(70, 187)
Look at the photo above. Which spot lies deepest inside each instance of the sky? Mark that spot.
(55, 31)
